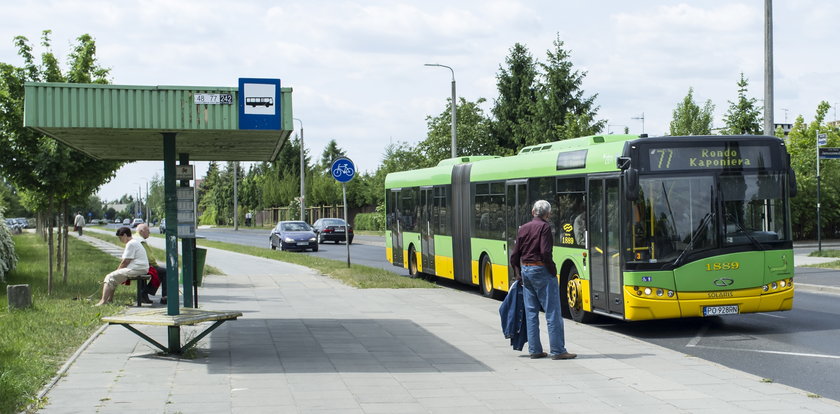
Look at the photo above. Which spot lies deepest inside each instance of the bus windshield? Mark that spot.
(675, 216)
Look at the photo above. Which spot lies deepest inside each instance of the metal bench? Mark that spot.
(159, 317)
(141, 286)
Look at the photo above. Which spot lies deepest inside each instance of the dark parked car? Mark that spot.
(292, 235)
(332, 229)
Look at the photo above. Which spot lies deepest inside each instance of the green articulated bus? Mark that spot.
(644, 227)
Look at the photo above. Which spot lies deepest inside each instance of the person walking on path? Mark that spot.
(134, 263)
(533, 264)
(79, 222)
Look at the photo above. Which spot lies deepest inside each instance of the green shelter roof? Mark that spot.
(120, 122)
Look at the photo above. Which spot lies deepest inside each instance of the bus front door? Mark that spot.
(427, 243)
(518, 213)
(604, 251)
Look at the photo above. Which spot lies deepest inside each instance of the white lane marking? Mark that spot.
(771, 352)
(694, 341)
(772, 316)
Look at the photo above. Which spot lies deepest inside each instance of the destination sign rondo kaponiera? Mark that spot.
(708, 157)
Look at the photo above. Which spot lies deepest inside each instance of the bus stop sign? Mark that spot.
(343, 170)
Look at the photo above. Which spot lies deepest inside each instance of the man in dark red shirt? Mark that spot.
(532, 259)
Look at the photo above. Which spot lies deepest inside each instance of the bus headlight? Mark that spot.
(660, 292)
(765, 288)
(774, 285)
(783, 283)
(670, 293)
(647, 291)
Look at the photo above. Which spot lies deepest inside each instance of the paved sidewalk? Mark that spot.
(309, 344)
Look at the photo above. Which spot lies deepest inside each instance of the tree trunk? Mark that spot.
(59, 224)
(66, 228)
(49, 249)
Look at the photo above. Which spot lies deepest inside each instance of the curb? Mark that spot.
(831, 290)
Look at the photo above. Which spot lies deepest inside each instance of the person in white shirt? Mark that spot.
(134, 263)
(79, 222)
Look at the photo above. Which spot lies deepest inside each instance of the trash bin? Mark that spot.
(200, 258)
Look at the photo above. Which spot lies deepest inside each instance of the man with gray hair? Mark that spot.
(532, 262)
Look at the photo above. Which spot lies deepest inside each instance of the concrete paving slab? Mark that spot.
(307, 343)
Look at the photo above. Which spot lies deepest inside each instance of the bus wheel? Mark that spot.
(485, 277)
(574, 298)
(412, 263)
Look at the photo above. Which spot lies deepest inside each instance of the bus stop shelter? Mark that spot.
(173, 124)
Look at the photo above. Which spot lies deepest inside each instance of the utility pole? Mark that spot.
(768, 67)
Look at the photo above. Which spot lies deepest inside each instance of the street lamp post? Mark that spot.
(302, 206)
(454, 107)
(642, 118)
(235, 196)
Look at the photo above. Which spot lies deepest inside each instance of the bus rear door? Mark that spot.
(427, 242)
(396, 232)
(518, 213)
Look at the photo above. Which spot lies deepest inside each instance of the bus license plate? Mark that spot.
(720, 310)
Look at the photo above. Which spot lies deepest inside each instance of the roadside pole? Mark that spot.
(822, 139)
(343, 170)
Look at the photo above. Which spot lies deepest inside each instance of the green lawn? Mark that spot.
(827, 253)
(365, 277)
(35, 342)
(159, 253)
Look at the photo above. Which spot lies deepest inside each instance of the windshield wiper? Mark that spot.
(714, 192)
(694, 236)
(743, 230)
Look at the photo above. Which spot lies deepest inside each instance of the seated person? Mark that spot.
(151, 288)
(134, 263)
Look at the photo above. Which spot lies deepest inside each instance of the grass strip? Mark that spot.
(35, 342)
(825, 253)
(159, 253)
(360, 276)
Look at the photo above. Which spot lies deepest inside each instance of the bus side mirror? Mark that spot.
(792, 182)
(631, 184)
(622, 163)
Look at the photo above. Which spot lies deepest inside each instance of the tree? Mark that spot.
(562, 109)
(50, 173)
(473, 128)
(801, 143)
(743, 116)
(330, 154)
(690, 119)
(515, 110)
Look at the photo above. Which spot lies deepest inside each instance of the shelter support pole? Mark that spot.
(187, 249)
(171, 203)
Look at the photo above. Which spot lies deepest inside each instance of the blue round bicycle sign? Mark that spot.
(343, 170)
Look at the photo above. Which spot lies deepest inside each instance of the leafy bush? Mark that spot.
(370, 221)
(8, 258)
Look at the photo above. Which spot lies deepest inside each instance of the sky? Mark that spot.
(357, 67)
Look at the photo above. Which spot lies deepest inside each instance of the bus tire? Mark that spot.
(574, 298)
(412, 262)
(485, 277)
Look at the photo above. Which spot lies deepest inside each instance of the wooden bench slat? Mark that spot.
(159, 317)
